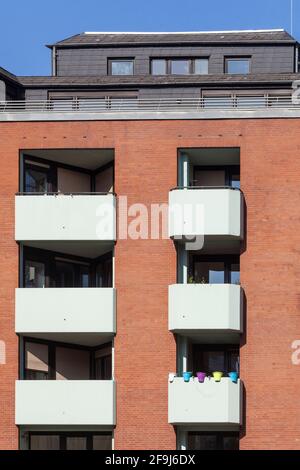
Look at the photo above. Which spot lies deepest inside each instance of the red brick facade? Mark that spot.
(145, 351)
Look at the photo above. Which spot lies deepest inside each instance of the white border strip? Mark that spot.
(189, 32)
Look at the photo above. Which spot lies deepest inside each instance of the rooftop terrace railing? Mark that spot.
(139, 105)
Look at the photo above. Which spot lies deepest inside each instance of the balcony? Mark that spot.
(244, 106)
(83, 315)
(65, 217)
(65, 402)
(209, 212)
(206, 309)
(208, 403)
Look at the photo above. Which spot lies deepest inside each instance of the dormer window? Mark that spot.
(120, 66)
(237, 65)
(179, 66)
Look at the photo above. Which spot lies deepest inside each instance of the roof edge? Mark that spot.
(189, 32)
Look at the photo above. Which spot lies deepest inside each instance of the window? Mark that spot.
(217, 176)
(34, 274)
(214, 177)
(64, 274)
(103, 364)
(214, 269)
(234, 273)
(201, 66)
(52, 177)
(71, 274)
(209, 272)
(209, 358)
(70, 441)
(120, 66)
(179, 66)
(45, 360)
(158, 67)
(104, 272)
(38, 177)
(213, 441)
(49, 269)
(44, 442)
(36, 361)
(237, 65)
(72, 363)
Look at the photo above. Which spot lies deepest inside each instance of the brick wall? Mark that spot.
(146, 160)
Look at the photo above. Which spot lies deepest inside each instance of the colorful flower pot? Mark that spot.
(233, 376)
(201, 376)
(217, 376)
(187, 376)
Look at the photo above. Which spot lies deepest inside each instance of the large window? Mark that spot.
(211, 358)
(49, 269)
(214, 269)
(179, 66)
(213, 441)
(159, 67)
(120, 66)
(35, 275)
(70, 441)
(237, 65)
(39, 177)
(45, 360)
(216, 176)
(45, 176)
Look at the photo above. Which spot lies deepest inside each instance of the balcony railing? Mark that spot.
(150, 105)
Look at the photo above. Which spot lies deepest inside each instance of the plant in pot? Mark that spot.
(187, 376)
(217, 375)
(233, 376)
(201, 376)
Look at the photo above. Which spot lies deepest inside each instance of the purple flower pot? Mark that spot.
(201, 376)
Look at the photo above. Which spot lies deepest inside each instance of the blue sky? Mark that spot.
(27, 25)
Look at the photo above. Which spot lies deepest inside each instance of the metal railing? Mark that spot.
(137, 105)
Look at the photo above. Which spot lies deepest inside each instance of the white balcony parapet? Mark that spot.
(218, 403)
(65, 217)
(211, 307)
(65, 402)
(66, 310)
(215, 212)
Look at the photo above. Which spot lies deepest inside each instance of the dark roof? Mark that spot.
(6, 75)
(94, 39)
(157, 80)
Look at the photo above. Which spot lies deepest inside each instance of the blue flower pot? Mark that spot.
(187, 376)
(233, 376)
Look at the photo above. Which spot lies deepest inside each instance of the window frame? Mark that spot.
(236, 59)
(63, 435)
(169, 60)
(53, 166)
(228, 260)
(52, 345)
(49, 259)
(218, 434)
(226, 348)
(110, 60)
(230, 170)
